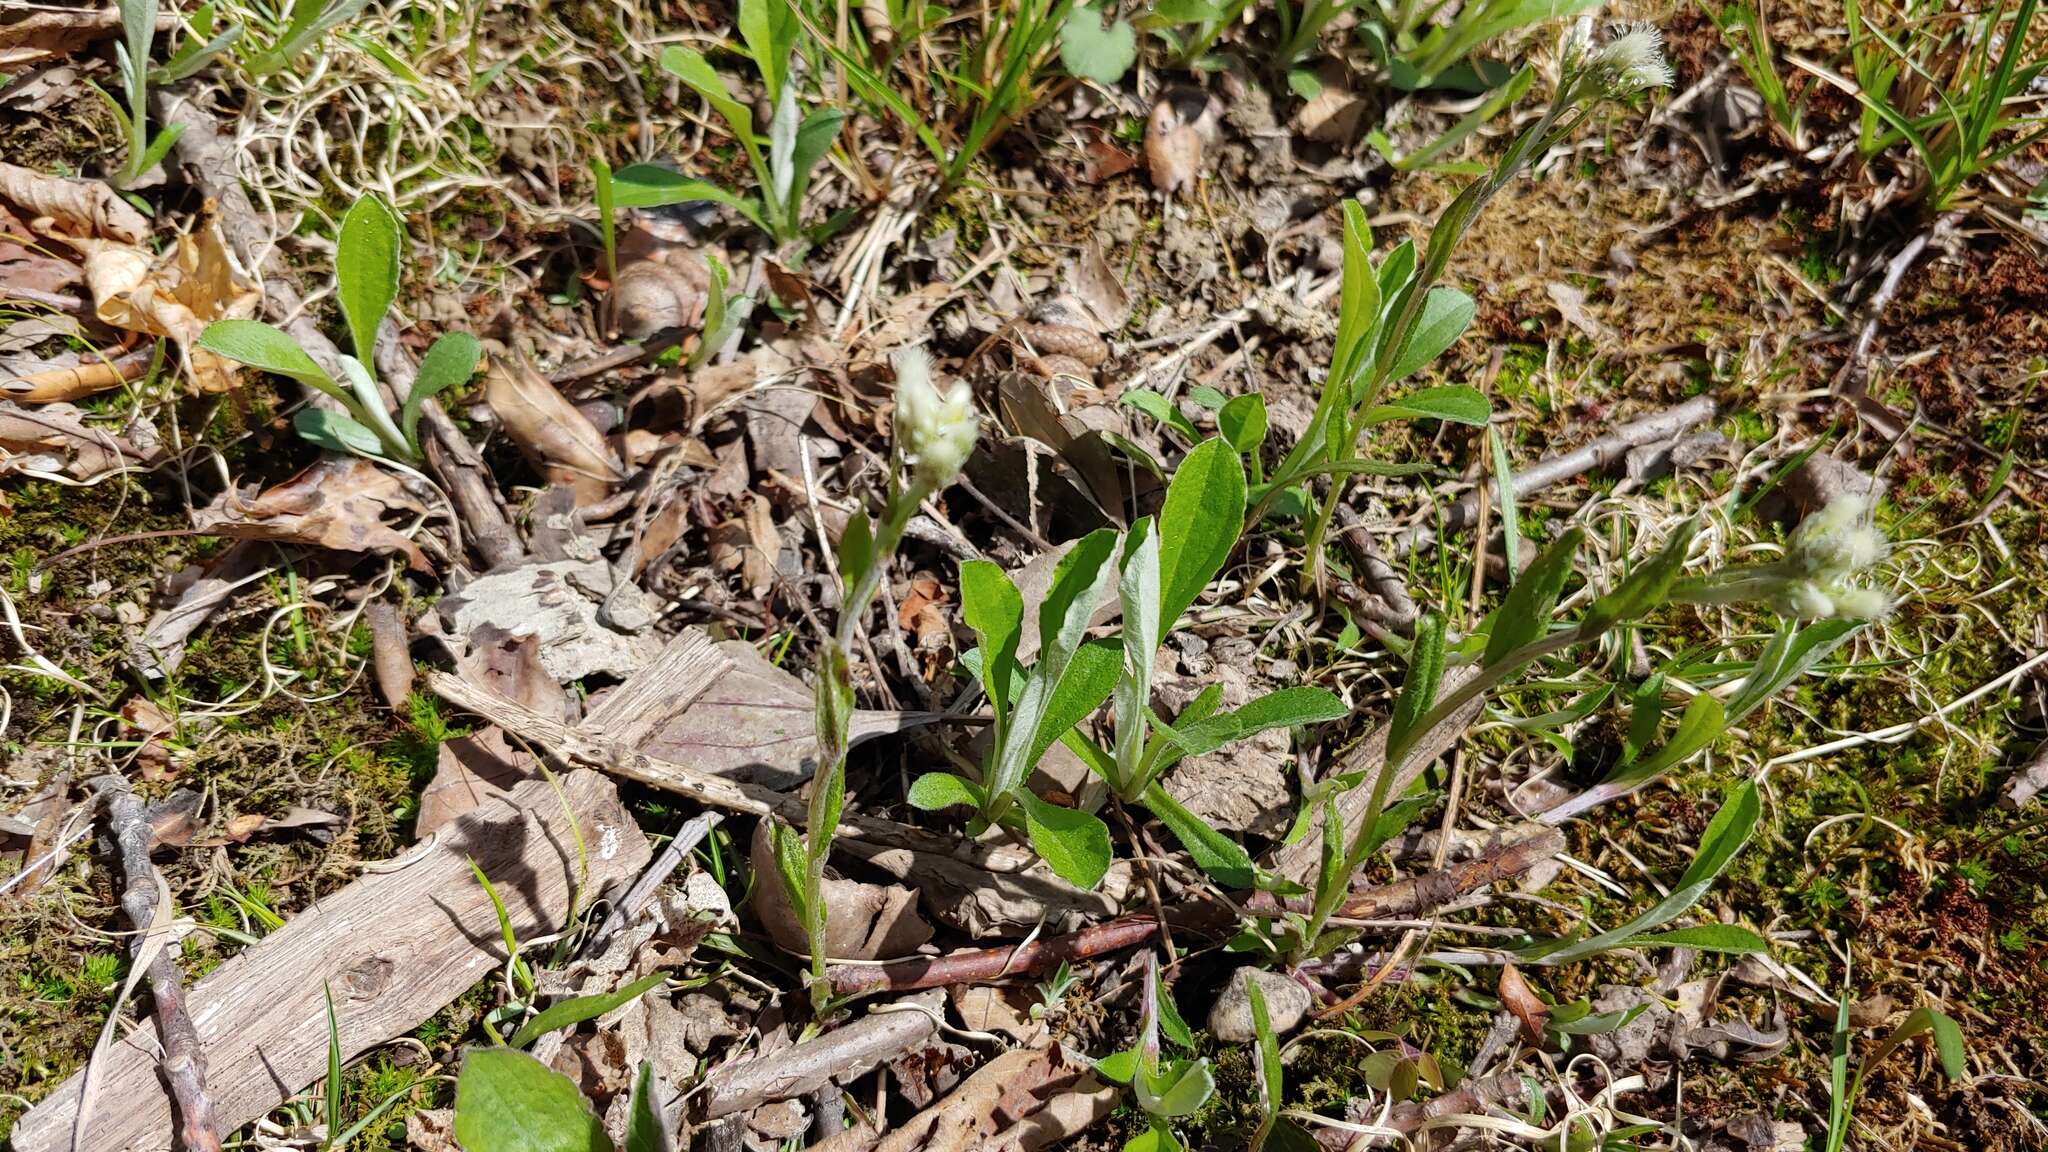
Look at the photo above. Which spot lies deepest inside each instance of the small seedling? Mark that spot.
(367, 259)
(1163, 1089)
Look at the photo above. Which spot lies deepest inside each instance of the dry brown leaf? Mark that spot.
(1521, 1000)
(1104, 161)
(74, 381)
(553, 433)
(1333, 114)
(338, 503)
(986, 1008)
(468, 771)
(54, 33)
(176, 296)
(1094, 283)
(55, 438)
(1179, 126)
(749, 544)
(83, 208)
(867, 921)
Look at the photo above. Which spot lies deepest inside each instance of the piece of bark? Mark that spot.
(991, 1109)
(396, 946)
(839, 1056)
(390, 659)
(1300, 861)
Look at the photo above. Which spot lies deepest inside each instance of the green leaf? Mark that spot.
(1524, 613)
(1199, 524)
(1218, 856)
(651, 186)
(331, 1115)
(451, 361)
(1174, 1028)
(769, 28)
(691, 68)
(1646, 715)
(992, 607)
(935, 790)
(507, 1101)
(857, 547)
(1094, 52)
(1419, 687)
(1705, 938)
(366, 270)
(1789, 655)
(1303, 83)
(266, 349)
(1161, 409)
(1358, 308)
(1267, 1054)
(1089, 679)
(1504, 499)
(1701, 722)
(1446, 312)
(1177, 1088)
(576, 1009)
(645, 1130)
(1118, 1067)
(1075, 845)
(792, 868)
(1243, 421)
(1455, 403)
(1156, 1137)
(1283, 708)
(1647, 586)
(813, 140)
(1725, 837)
(336, 432)
(1138, 591)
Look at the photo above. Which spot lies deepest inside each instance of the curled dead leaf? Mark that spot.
(1181, 124)
(1523, 1002)
(553, 433)
(75, 208)
(866, 921)
(747, 543)
(667, 290)
(55, 437)
(339, 503)
(176, 295)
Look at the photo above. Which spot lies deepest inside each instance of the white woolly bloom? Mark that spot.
(1631, 62)
(934, 433)
(1837, 541)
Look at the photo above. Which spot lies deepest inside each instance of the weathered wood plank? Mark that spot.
(396, 946)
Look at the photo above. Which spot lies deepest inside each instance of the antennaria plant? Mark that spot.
(131, 55)
(934, 435)
(1394, 319)
(367, 257)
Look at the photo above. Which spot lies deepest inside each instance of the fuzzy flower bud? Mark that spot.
(934, 433)
(1826, 552)
(1626, 64)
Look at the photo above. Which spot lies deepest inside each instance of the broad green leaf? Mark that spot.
(1455, 403)
(1219, 857)
(1701, 722)
(1243, 421)
(1948, 1039)
(451, 361)
(992, 607)
(1789, 655)
(336, 432)
(1645, 717)
(1286, 707)
(645, 1130)
(935, 790)
(651, 186)
(1358, 308)
(1647, 586)
(1705, 938)
(507, 1101)
(857, 548)
(769, 28)
(1074, 844)
(1177, 1088)
(1171, 1026)
(1419, 687)
(1199, 524)
(1161, 409)
(1725, 837)
(1394, 273)
(1188, 11)
(691, 68)
(576, 1009)
(1446, 312)
(266, 349)
(366, 270)
(1094, 52)
(792, 868)
(1156, 1137)
(1524, 614)
(1090, 677)
(1118, 1067)
(813, 139)
(1138, 591)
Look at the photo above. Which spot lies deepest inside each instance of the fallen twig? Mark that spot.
(980, 965)
(183, 1068)
(838, 1056)
(625, 355)
(1651, 429)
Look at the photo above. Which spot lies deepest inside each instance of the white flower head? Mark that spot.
(1629, 62)
(934, 433)
(1838, 541)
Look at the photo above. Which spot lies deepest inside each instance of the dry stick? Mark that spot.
(1855, 375)
(624, 356)
(184, 1064)
(453, 459)
(1378, 576)
(838, 1056)
(628, 906)
(1652, 429)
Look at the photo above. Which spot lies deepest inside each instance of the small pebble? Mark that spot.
(1287, 1004)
